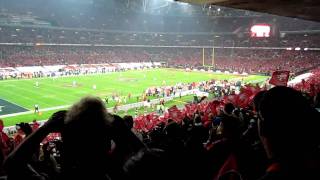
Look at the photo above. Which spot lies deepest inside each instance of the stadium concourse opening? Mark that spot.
(156, 89)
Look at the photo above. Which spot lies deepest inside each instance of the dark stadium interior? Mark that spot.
(257, 118)
(303, 9)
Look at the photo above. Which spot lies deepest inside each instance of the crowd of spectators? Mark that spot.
(263, 140)
(39, 56)
(34, 34)
(267, 61)
(232, 60)
(311, 84)
(256, 134)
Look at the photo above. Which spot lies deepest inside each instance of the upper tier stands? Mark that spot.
(241, 60)
(36, 34)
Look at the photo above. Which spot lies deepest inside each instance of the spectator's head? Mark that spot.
(186, 121)
(170, 121)
(257, 99)
(197, 120)
(46, 149)
(229, 127)
(228, 108)
(236, 112)
(128, 120)
(85, 135)
(147, 163)
(173, 130)
(216, 121)
(287, 123)
(161, 126)
(24, 128)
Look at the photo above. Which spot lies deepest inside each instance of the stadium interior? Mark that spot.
(159, 89)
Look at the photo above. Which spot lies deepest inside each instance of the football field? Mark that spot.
(51, 94)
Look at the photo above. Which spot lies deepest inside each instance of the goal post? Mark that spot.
(208, 60)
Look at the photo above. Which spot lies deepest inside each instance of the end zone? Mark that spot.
(7, 107)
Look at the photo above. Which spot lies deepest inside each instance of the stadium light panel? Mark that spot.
(306, 49)
(297, 49)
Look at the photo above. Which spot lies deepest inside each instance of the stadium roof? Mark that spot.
(303, 9)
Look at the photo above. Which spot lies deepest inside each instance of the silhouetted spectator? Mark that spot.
(87, 130)
(289, 131)
(4, 146)
(17, 164)
(231, 153)
(149, 164)
(128, 120)
(228, 109)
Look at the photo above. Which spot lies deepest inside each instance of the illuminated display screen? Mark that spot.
(260, 30)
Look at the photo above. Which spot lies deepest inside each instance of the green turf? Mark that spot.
(59, 91)
(10, 121)
(176, 101)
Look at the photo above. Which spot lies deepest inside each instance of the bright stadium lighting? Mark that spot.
(289, 49)
(297, 49)
(306, 49)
